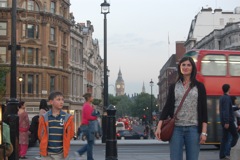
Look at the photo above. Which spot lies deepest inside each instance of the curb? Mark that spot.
(122, 142)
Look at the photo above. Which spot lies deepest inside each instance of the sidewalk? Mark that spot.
(123, 142)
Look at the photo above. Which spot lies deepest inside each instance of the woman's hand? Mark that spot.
(158, 130)
(203, 139)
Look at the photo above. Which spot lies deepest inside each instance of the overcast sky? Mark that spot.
(137, 32)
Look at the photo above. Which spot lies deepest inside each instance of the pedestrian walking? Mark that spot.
(87, 128)
(235, 151)
(43, 108)
(23, 130)
(55, 130)
(228, 125)
(190, 128)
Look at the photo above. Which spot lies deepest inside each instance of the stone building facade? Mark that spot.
(56, 54)
(208, 20)
(227, 38)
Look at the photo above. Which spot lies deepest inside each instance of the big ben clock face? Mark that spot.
(118, 86)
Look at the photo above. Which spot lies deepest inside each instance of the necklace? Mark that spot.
(186, 84)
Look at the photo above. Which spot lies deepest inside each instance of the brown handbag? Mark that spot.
(168, 124)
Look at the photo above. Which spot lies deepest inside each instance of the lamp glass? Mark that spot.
(105, 8)
(20, 79)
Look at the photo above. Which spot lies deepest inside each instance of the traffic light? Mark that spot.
(144, 119)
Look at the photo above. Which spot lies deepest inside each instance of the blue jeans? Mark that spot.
(229, 139)
(187, 136)
(89, 146)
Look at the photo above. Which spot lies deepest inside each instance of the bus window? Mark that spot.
(214, 65)
(234, 65)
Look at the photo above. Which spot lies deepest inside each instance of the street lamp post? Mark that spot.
(151, 84)
(108, 122)
(105, 10)
(20, 79)
(12, 105)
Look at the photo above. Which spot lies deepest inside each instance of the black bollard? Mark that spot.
(13, 122)
(111, 141)
(104, 127)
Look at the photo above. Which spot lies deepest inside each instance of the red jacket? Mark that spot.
(68, 133)
(87, 113)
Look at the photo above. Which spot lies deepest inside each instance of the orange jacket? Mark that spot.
(68, 133)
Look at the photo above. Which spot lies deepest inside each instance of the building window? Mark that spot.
(37, 82)
(52, 83)
(23, 55)
(30, 55)
(53, 7)
(23, 83)
(3, 3)
(3, 28)
(64, 38)
(30, 31)
(30, 5)
(234, 65)
(52, 58)
(37, 56)
(37, 31)
(3, 51)
(52, 34)
(30, 83)
(63, 60)
(64, 82)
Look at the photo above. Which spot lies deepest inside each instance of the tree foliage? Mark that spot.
(135, 106)
(3, 73)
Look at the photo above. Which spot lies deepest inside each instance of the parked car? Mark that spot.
(130, 134)
(120, 126)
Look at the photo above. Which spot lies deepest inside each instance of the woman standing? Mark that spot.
(191, 121)
(23, 130)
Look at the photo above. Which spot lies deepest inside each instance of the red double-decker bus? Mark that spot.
(215, 68)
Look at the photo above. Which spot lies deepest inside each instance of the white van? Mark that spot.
(120, 126)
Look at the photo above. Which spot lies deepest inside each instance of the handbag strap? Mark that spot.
(181, 103)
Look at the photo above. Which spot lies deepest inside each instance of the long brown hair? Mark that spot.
(194, 70)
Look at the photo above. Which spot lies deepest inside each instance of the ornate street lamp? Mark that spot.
(105, 10)
(20, 79)
(12, 105)
(150, 118)
(108, 124)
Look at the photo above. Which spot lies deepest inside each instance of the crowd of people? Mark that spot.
(53, 129)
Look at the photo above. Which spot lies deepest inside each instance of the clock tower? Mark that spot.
(120, 88)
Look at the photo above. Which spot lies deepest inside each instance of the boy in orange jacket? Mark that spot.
(55, 130)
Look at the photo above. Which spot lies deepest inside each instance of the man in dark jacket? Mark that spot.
(34, 130)
(227, 122)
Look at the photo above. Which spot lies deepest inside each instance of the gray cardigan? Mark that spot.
(168, 110)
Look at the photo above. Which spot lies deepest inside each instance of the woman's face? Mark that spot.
(186, 68)
(23, 107)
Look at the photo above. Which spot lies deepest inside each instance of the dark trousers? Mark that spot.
(226, 142)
